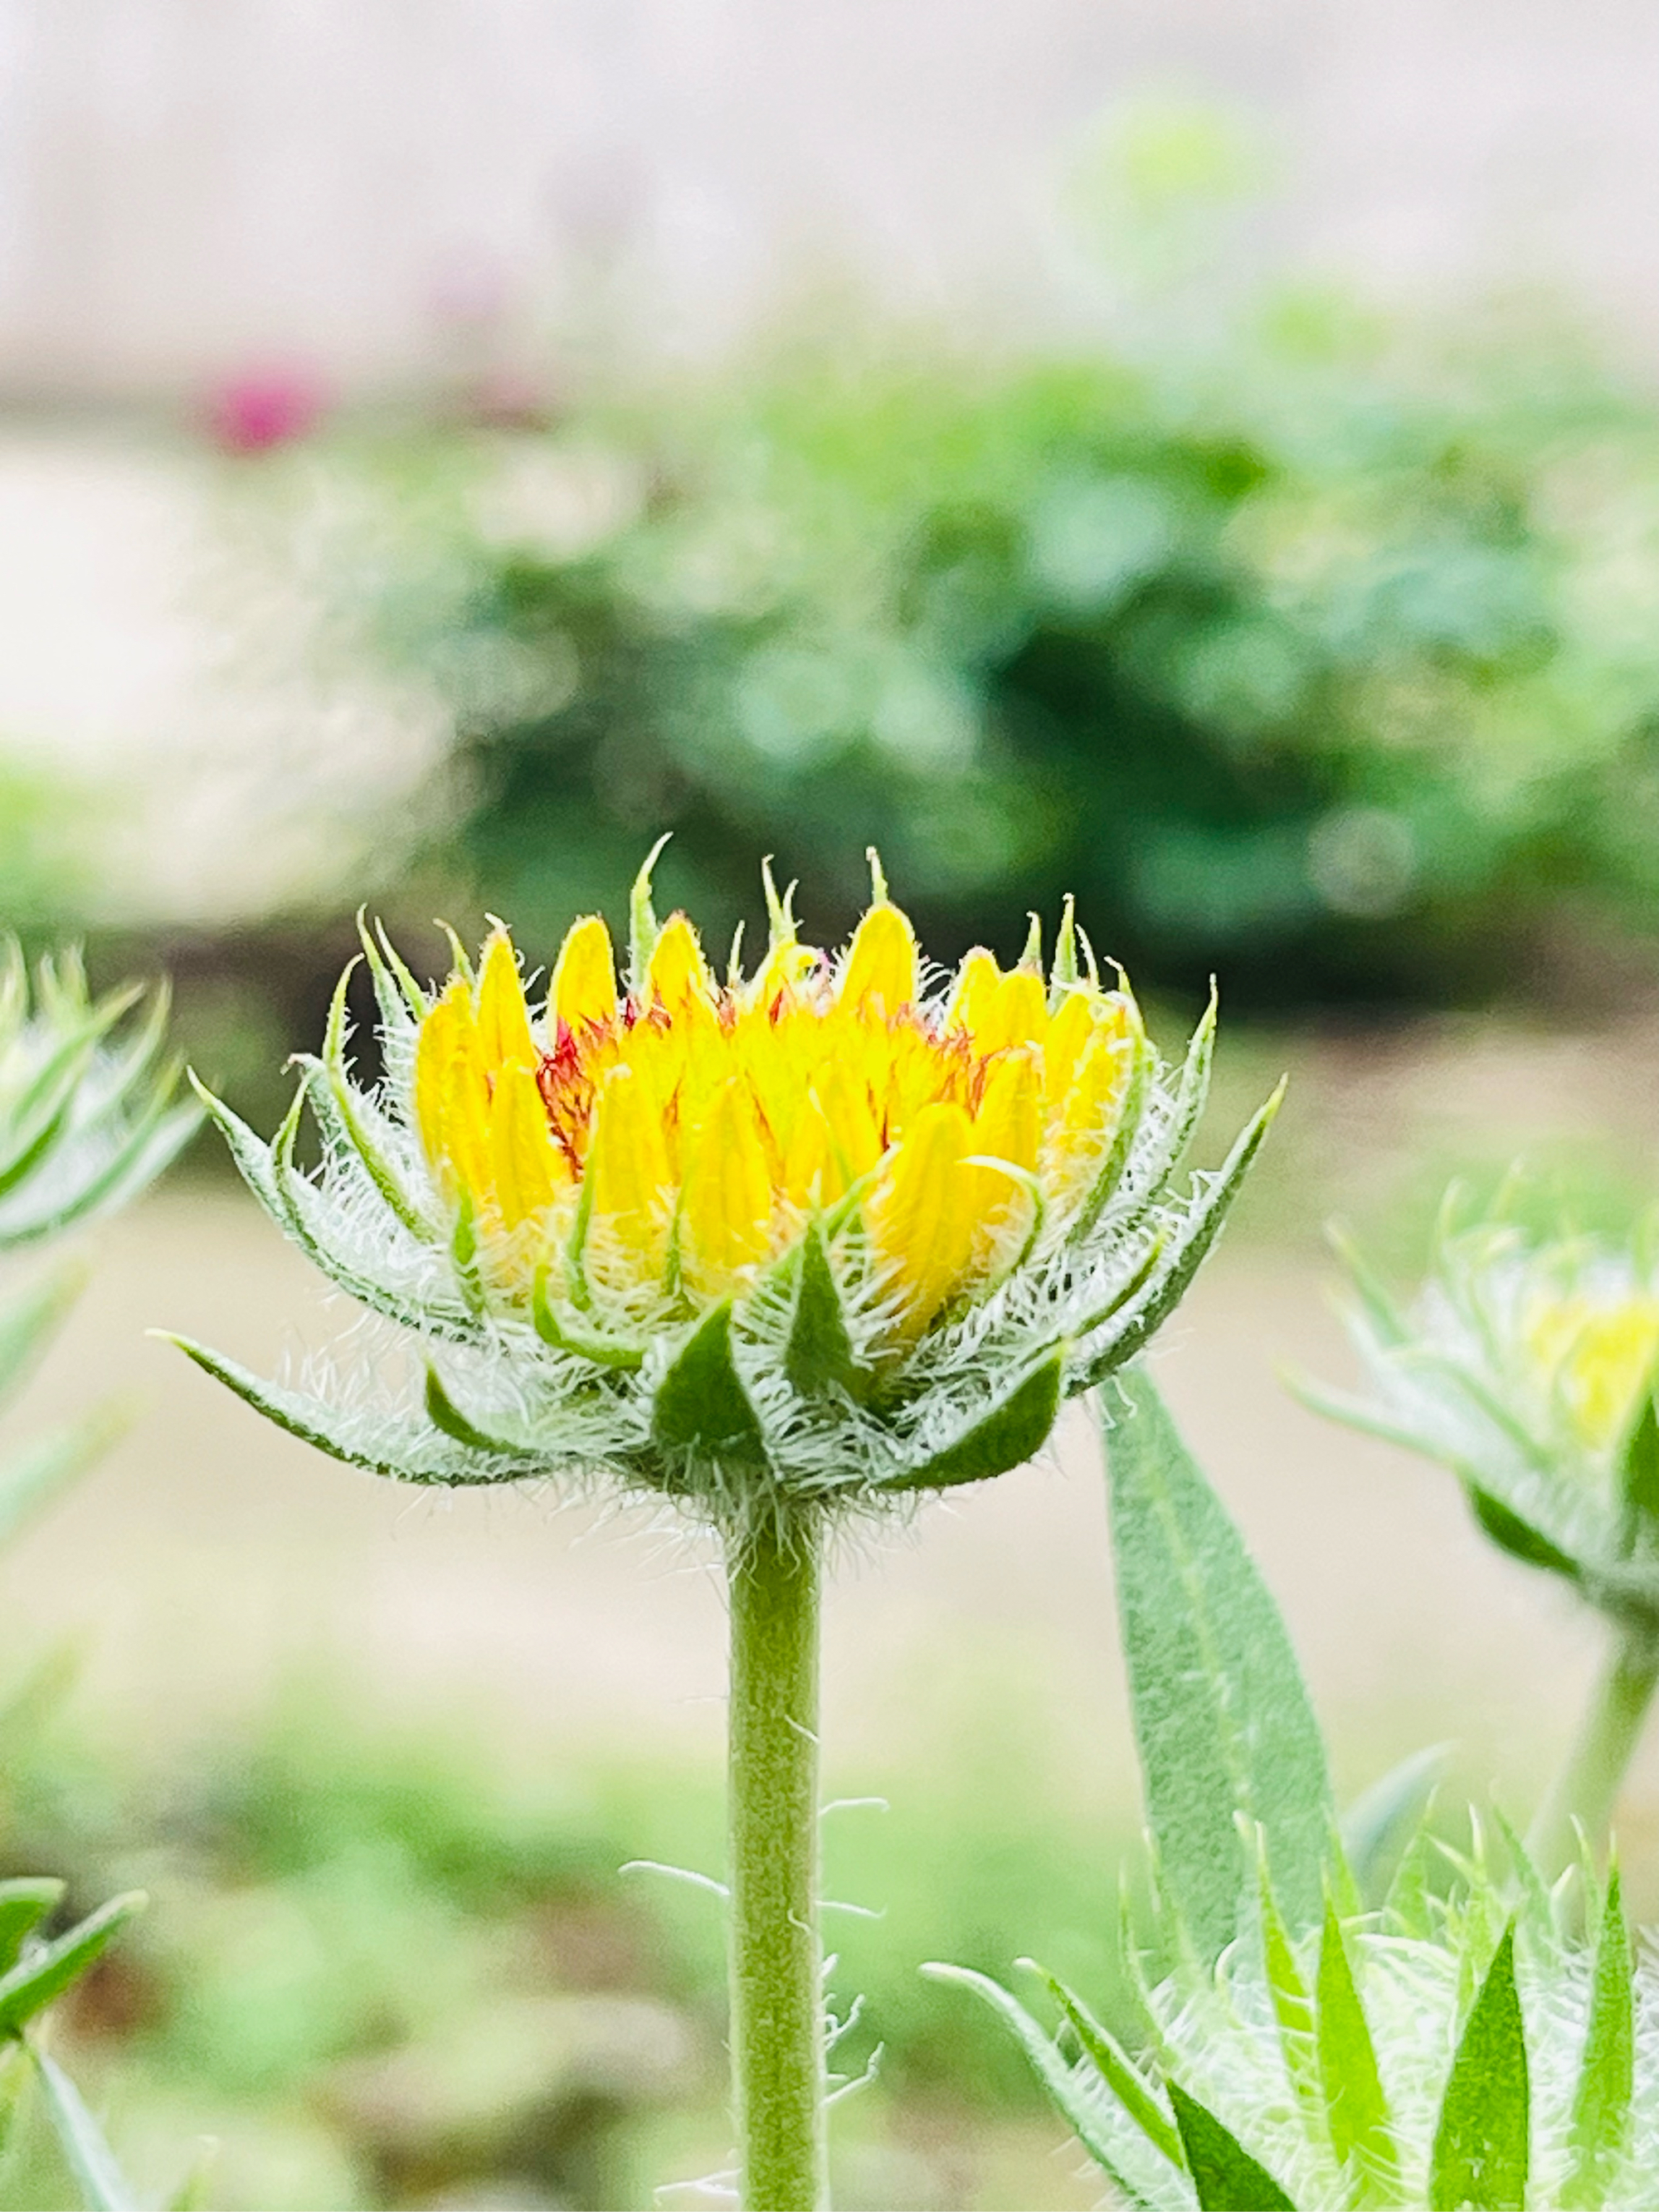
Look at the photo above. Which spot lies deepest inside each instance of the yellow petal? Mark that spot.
(677, 970)
(529, 1166)
(845, 1103)
(725, 1208)
(920, 1224)
(583, 993)
(1007, 1127)
(629, 1163)
(452, 1092)
(879, 973)
(1019, 1015)
(1075, 1021)
(503, 1017)
(1080, 1129)
(973, 993)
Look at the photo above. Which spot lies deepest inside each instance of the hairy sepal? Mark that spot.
(700, 1410)
(1012, 1431)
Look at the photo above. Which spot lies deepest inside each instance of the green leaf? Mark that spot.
(701, 1406)
(819, 1359)
(1601, 2104)
(1378, 1827)
(1639, 1483)
(579, 1343)
(1114, 2067)
(24, 1903)
(1480, 2144)
(1221, 1716)
(1226, 2178)
(444, 1413)
(35, 1980)
(1356, 2110)
(1075, 2108)
(1014, 1429)
(104, 2187)
(29, 1322)
(33, 1477)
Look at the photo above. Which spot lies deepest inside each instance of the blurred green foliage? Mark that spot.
(1296, 655)
(383, 1967)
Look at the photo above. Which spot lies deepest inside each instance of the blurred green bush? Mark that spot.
(1295, 658)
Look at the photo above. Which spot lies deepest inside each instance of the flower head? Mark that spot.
(827, 1230)
(1529, 1367)
(87, 1117)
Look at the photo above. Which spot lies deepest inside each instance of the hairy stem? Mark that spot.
(777, 1995)
(1586, 1787)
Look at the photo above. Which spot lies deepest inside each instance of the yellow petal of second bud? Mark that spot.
(725, 1204)
(919, 1219)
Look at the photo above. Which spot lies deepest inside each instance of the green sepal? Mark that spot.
(395, 987)
(1356, 2109)
(1197, 1234)
(643, 929)
(1114, 2067)
(1132, 1110)
(24, 1903)
(103, 2186)
(1050, 2069)
(1014, 1429)
(819, 1358)
(1482, 2146)
(701, 1406)
(344, 1100)
(1601, 2104)
(445, 1414)
(1518, 1537)
(35, 1980)
(578, 1343)
(1063, 975)
(1226, 2178)
(1292, 2006)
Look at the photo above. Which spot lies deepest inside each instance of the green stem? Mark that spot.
(777, 1993)
(1588, 1786)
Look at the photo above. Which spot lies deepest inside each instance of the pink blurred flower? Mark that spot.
(254, 411)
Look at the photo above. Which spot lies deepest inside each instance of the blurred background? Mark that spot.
(1204, 459)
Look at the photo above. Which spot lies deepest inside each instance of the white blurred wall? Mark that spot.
(186, 186)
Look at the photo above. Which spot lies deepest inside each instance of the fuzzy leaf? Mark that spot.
(36, 1980)
(1226, 2178)
(701, 1406)
(1114, 2067)
(1055, 2076)
(1221, 1716)
(103, 2186)
(1378, 1827)
(1014, 1429)
(24, 1903)
(1482, 2143)
(1601, 2104)
(818, 1359)
(1356, 2110)
(444, 1413)
(579, 1343)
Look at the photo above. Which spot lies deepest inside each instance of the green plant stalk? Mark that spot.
(776, 1956)
(1586, 1787)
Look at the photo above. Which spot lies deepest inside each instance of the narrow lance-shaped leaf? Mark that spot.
(1377, 1827)
(24, 1903)
(1057, 2078)
(1292, 2006)
(1221, 1716)
(1356, 2109)
(103, 2186)
(1602, 2102)
(1226, 2178)
(1481, 2143)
